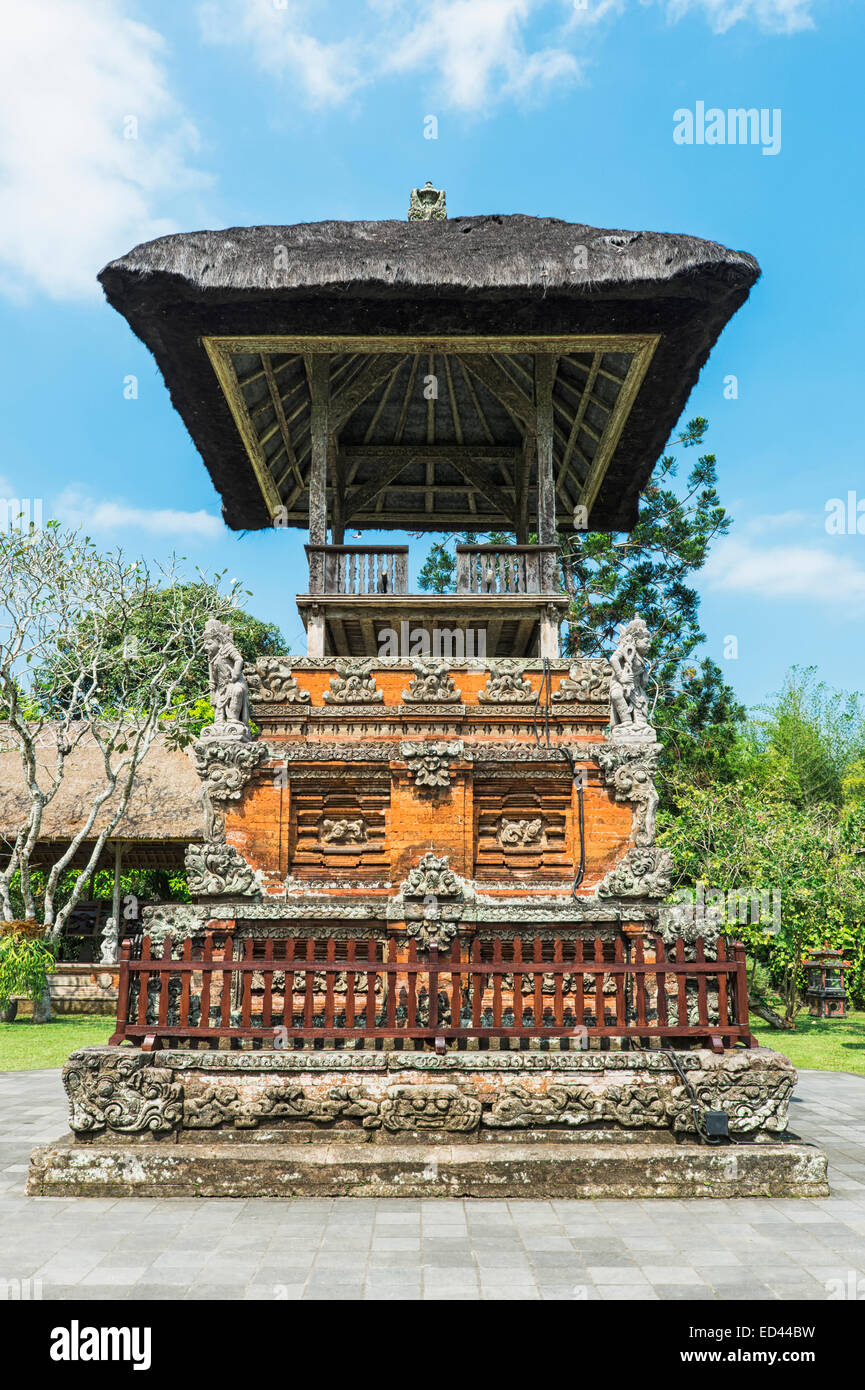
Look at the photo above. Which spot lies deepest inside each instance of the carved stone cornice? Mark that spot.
(643, 872)
(353, 685)
(217, 869)
(587, 682)
(225, 768)
(431, 685)
(271, 682)
(628, 769)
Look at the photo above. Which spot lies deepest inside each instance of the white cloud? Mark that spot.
(474, 50)
(74, 191)
(75, 508)
(279, 38)
(477, 48)
(775, 16)
(468, 53)
(820, 573)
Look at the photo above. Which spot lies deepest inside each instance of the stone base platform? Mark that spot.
(499, 1122)
(555, 1168)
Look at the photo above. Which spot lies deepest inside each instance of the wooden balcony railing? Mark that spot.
(512, 569)
(358, 569)
(308, 992)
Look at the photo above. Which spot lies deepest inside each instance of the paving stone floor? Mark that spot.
(172, 1248)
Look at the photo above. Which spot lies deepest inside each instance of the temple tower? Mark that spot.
(429, 900)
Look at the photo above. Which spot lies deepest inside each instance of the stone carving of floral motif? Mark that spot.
(433, 878)
(642, 873)
(521, 834)
(125, 1094)
(217, 869)
(431, 686)
(342, 832)
(222, 1105)
(353, 688)
(271, 682)
(506, 686)
(587, 682)
(430, 762)
(225, 768)
(629, 771)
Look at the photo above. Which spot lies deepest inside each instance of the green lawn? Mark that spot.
(25, 1045)
(824, 1044)
(837, 1045)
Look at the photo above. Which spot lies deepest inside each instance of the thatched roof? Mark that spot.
(503, 277)
(165, 811)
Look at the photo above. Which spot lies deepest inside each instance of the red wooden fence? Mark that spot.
(305, 991)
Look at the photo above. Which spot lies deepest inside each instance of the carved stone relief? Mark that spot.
(521, 834)
(342, 832)
(353, 687)
(271, 681)
(225, 768)
(431, 686)
(506, 686)
(587, 682)
(629, 771)
(217, 869)
(641, 873)
(430, 762)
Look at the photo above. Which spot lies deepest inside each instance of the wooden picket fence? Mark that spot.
(320, 991)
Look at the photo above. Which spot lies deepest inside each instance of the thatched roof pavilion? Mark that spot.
(165, 811)
(530, 326)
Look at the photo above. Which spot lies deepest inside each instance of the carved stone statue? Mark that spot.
(629, 703)
(427, 204)
(229, 693)
(110, 942)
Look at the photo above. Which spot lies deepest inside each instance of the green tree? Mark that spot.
(609, 580)
(148, 625)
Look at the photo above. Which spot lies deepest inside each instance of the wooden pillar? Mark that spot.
(115, 898)
(319, 428)
(315, 632)
(337, 473)
(522, 474)
(545, 370)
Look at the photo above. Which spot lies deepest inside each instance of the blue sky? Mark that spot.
(262, 111)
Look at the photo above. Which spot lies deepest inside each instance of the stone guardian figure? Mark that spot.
(629, 702)
(229, 693)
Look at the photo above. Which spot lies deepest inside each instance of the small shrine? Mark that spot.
(426, 914)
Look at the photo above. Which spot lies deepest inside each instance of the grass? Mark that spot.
(24, 1046)
(820, 1043)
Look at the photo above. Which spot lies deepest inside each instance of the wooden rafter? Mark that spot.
(279, 412)
(518, 405)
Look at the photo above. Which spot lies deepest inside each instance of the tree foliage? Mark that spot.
(97, 651)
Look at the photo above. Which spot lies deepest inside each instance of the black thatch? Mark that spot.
(469, 275)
